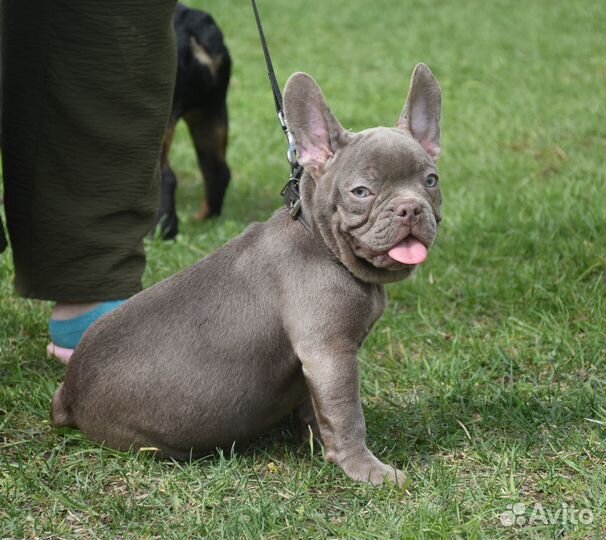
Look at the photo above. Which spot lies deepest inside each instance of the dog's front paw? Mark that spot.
(367, 468)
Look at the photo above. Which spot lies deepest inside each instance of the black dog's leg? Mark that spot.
(209, 134)
(167, 215)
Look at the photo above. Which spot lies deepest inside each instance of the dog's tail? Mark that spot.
(61, 413)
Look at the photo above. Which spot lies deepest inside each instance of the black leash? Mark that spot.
(270, 70)
(290, 193)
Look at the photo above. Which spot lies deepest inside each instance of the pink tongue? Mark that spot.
(410, 251)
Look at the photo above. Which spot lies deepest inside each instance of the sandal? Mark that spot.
(66, 334)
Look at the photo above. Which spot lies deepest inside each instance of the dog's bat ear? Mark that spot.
(421, 114)
(317, 133)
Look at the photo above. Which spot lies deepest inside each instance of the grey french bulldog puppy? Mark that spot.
(272, 321)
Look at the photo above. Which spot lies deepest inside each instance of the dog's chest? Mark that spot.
(377, 302)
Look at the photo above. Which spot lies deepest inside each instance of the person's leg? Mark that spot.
(87, 95)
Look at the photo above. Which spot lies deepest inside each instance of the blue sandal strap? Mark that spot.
(68, 333)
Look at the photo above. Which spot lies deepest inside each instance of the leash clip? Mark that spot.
(291, 154)
(290, 192)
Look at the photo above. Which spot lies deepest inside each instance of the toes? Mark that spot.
(370, 470)
(390, 474)
(398, 478)
(60, 353)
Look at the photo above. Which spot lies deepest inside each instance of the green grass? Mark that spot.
(486, 378)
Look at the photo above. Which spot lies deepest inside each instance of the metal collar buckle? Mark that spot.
(290, 193)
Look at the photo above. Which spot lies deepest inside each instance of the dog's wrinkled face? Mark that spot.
(374, 196)
(385, 193)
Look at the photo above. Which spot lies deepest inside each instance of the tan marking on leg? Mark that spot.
(221, 135)
(167, 142)
(202, 214)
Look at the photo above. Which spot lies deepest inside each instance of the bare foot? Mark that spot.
(60, 353)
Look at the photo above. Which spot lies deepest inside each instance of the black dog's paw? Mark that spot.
(166, 226)
(167, 222)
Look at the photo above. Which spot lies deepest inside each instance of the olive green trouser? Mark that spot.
(87, 94)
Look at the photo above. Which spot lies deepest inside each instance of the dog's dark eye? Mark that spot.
(361, 192)
(431, 181)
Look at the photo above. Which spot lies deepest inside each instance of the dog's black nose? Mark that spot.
(409, 210)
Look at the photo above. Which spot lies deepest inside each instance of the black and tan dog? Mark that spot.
(203, 72)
